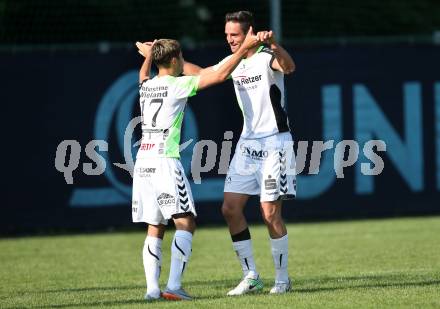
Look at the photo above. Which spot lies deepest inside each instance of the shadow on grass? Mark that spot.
(113, 303)
(219, 284)
(362, 282)
(96, 303)
(337, 284)
(228, 283)
(95, 288)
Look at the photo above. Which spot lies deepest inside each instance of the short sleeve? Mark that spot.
(142, 82)
(269, 55)
(186, 86)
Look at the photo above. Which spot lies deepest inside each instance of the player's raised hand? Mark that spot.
(145, 48)
(266, 37)
(251, 40)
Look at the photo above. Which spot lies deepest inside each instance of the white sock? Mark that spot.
(152, 257)
(243, 248)
(180, 254)
(280, 255)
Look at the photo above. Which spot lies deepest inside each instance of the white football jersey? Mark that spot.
(260, 94)
(163, 101)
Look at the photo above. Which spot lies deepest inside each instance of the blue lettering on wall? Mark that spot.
(313, 185)
(371, 123)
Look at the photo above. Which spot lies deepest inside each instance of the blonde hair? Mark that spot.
(164, 50)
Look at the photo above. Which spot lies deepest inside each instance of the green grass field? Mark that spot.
(372, 263)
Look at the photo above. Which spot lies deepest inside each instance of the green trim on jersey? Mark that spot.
(172, 142)
(192, 84)
(187, 83)
(260, 48)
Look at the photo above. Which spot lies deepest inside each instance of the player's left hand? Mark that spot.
(266, 37)
(145, 48)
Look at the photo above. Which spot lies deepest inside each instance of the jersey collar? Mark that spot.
(256, 52)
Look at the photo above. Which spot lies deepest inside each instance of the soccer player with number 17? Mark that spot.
(160, 188)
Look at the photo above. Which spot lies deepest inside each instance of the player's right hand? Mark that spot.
(145, 48)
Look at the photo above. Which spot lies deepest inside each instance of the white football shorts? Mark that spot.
(265, 167)
(160, 190)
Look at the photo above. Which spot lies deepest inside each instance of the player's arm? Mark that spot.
(193, 69)
(225, 70)
(282, 62)
(145, 50)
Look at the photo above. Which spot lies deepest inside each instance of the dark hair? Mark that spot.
(244, 18)
(164, 50)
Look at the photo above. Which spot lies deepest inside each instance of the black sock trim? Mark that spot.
(183, 268)
(243, 235)
(175, 243)
(149, 251)
(247, 265)
(182, 215)
(281, 258)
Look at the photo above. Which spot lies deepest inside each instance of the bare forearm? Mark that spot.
(228, 67)
(284, 60)
(215, 77)
(191, 69)
(144, 72)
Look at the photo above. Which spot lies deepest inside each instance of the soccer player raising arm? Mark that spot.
(161, 190)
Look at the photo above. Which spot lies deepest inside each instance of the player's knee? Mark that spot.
(229, 211)
(271, 217)
(157, 231)
(185, 222)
